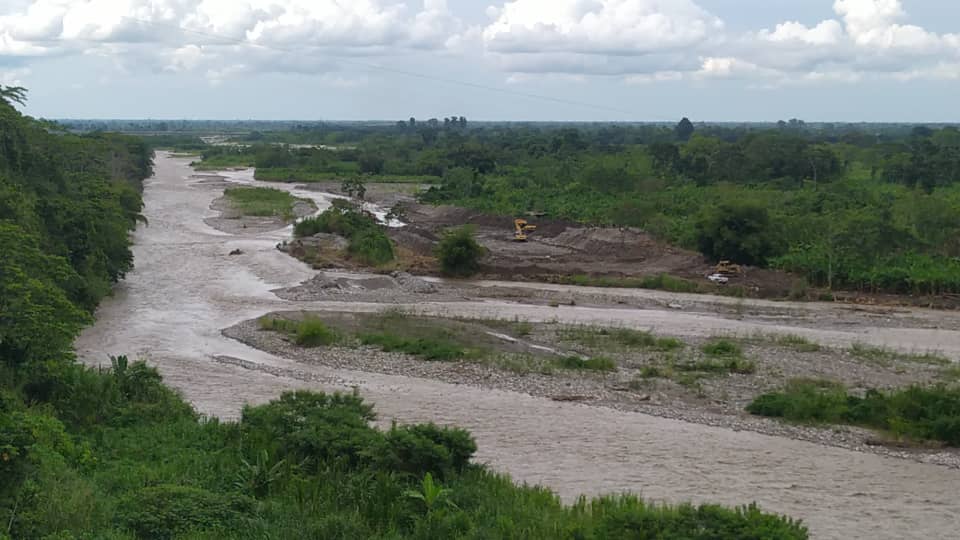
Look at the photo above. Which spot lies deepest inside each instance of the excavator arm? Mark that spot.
(521, 229)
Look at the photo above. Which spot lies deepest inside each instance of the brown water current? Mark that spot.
(185, 289)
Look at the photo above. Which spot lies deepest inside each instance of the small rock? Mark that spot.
(237, 252)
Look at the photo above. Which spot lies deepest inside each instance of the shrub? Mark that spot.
(311, 429)
(168, 511)
(368, 242)
(804, 401)
(421, 449)
(459, 253)
(314, 333)
(371, 247)
(341, 218)
(739, 231)
(630, 517)
(917, 412)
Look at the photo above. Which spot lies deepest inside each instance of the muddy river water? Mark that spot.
(185, 289)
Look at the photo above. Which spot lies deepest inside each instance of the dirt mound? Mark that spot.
(411, 283)
(620, 243)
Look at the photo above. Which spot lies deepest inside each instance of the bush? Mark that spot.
(804, 401)
(459, 253)
(628, 517)
(738, 231)
(368, 242)
(426, 448)
(314, 333)
(312, 429)
(168, 511)
(371, 247)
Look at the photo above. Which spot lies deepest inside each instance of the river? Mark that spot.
(185, 289)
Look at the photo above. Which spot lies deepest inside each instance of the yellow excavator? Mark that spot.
(522, 228)
(727, 268)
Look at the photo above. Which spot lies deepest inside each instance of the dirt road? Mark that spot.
(186, 288)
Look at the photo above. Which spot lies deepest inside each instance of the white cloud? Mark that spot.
(225, 37)
(614, 27)
(598, 36)
(659, 40)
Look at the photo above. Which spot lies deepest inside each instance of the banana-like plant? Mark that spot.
(257, 477)
(431, 494)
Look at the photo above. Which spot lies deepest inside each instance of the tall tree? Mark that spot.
(684, 129)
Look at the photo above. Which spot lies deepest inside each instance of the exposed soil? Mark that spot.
(556, 248)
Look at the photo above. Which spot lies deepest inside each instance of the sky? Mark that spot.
(539, 60)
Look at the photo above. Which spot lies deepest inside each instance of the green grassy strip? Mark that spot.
(260, 201)
(917, 412)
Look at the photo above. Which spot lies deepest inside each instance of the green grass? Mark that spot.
(885, 356)
(651, 372)
(600, 338)
(587, 364)
(260, 201)
(722, 348)
(309, 332)
(950, 373)
(918, 413)
(428, 348)
(796, 343)
(730, 364)
(314, 333)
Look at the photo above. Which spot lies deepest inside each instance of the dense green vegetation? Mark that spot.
(369, 243)
(916, 412)
(113, 453)
(459, 253)
(260, 201)
(871, 208)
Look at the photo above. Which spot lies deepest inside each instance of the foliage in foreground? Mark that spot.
(917, 412)
(306, 465)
